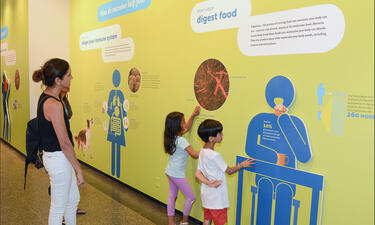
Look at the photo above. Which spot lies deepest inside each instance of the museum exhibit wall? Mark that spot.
(221, 55)
(14, 63)
(134, 61)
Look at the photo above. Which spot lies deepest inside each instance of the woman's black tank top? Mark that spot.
(48, 138)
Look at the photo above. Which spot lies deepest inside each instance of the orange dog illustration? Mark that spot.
(83, 139)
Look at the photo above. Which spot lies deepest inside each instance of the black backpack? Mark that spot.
(33, 151)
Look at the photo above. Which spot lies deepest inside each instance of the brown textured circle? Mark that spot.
(211, 84)
(134, 79)
(17, 79)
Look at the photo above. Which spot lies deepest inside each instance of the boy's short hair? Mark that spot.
(209, 128)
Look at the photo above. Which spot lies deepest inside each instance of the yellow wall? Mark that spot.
(14, 14)
(167, 47)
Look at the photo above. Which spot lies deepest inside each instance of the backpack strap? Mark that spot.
(42, 100)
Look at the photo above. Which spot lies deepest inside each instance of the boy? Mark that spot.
(213, 167)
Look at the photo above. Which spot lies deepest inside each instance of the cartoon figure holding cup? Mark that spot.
(281, 139)
(118, 122)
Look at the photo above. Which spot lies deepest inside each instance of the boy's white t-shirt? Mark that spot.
(177, 162)
(213, 167)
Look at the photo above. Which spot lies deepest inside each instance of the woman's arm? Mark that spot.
(192, 152)
(54, 112)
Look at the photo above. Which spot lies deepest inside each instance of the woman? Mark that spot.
(57, 143)
(69, 113)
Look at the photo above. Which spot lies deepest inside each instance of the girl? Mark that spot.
(56, 141)
(178, 148)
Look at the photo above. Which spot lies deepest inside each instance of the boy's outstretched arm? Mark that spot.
(244, 164)
(203, 179)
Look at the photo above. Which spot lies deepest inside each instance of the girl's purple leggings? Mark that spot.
(183, 185)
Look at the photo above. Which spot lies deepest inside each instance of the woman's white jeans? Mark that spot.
(64, 189)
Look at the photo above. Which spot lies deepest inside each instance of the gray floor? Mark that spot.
(106, 201)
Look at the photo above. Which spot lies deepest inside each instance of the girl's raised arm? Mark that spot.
(192, 152)
(191, 119)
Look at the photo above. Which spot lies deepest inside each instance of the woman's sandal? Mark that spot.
(81, 211)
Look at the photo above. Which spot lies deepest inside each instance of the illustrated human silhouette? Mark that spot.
(321, 93)
(281, 139)
(116, 128)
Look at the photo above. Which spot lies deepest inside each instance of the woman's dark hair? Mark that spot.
(66, 103)
(172, 129)
(52, 69)
(209, 128)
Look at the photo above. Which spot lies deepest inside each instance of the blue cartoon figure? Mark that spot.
(279, 139)
(117, 122)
